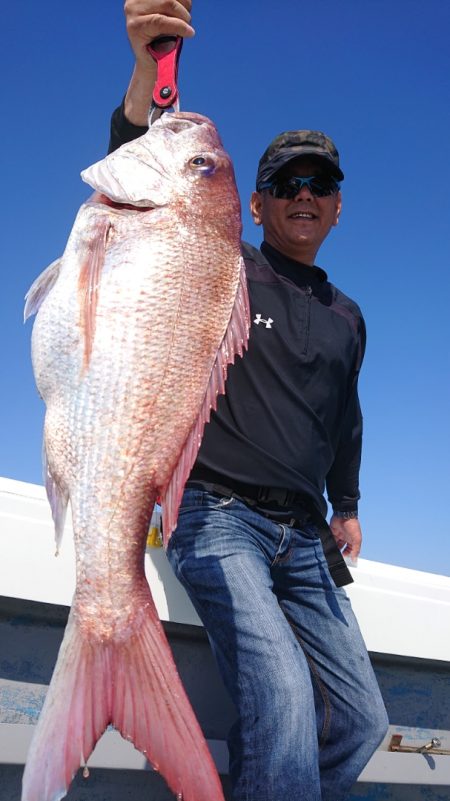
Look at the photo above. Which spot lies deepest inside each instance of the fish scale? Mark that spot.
(136, 325)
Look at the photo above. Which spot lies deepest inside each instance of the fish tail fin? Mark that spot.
(151, 708)
(131, 682)
(75, 714)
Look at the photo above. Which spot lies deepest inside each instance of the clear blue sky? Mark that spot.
(375, 75)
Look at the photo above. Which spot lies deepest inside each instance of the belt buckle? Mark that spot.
(263, 494)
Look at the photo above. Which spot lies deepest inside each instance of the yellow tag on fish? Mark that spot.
(154, 536)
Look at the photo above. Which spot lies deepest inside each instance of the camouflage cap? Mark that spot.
(292, 144)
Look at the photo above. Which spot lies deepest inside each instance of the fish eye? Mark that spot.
(203, 164)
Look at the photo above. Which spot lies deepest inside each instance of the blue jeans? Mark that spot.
(288, 647)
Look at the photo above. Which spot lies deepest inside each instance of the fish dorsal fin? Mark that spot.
(40, 288)
(233, 343)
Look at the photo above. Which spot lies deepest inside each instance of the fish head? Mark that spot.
(179, 163)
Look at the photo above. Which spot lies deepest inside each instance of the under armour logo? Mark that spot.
(259, 319)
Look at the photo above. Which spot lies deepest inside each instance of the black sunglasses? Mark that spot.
(288, 188)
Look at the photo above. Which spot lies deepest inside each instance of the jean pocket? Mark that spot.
(309, 531)
(200, 500)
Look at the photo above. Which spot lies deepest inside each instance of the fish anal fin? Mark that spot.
(92, 261)
(233, 343)
(58, 498)
(40, 288)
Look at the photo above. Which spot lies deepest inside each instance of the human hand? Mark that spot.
(147, 19)
(348, 536)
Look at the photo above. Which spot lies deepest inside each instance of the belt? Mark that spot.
(273, 501)
(251, 492)
(267, 499)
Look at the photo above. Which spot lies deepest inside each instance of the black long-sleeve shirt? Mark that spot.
(290, 417)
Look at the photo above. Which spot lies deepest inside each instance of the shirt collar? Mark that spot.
(297, 272)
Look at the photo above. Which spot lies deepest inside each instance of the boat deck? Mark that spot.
(404, 616)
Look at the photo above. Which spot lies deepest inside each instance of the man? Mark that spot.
(252, 547)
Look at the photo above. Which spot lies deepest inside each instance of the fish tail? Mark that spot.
(75, 714)
(151, 708)
(132, 683)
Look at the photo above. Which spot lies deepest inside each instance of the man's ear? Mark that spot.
(256, 203)
(338, 208)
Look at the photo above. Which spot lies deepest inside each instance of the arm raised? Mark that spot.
(145, 21)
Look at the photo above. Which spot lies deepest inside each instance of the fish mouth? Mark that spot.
(99, 197)
(179, 121)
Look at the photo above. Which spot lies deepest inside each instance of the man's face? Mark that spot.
(298, 226)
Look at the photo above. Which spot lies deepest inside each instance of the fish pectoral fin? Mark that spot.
(89, 279)
(40, 288)
(58, 498)
(233, 344)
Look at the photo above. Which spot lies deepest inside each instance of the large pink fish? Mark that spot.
(136, 325)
